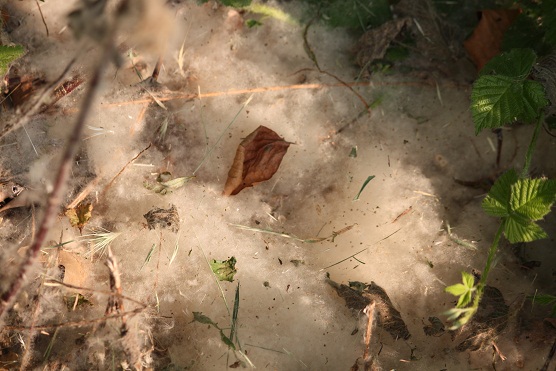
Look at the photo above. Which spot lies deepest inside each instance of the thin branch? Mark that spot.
(55, 198)
(42, 17)
(123, 168)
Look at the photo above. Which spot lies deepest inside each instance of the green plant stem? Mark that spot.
(531, 148)
(491, 254)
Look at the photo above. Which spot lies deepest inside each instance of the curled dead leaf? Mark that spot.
(257, 159)
(486, 40)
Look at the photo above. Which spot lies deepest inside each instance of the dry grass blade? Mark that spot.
(331, 237)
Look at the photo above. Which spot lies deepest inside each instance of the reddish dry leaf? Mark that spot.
(257, 159)
(486, 39)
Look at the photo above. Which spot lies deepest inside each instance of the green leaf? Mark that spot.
(369, 178)
(463, 290)
(520, 202)
(201, 318)
(8, 54)
(516, 231)
(533, 198)
(497, 201)
(457, 289)
(468, 280)
(515, 63)
(224, 269)
(236, 3)
(502, 94)
(252, 23)
(533, 100)
(226, 340)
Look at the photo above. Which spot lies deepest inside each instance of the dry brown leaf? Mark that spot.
(375, 42)
(257, 159)
(80, 215)
(486, 39)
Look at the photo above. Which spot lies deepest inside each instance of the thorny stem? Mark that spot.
(488, 265)
(55, 198)
(531, 148)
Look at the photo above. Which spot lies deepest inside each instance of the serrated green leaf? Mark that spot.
(497, 202)
(516, 63)
(533, 198)
(497, 100)
(492, 101)
(468, 280)
(534, 99)
(517, 231)
(8, 54)
(224, 269)
(464, 300)
(519, 202)
(457, 289)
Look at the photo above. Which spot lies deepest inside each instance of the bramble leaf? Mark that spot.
(457, 289)
(497, 100)
(520, 202)
(515, 63)
(463, 290)
(503, 94)
(498, 200)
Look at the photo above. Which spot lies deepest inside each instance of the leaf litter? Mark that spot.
(257, 158)
(359, 295)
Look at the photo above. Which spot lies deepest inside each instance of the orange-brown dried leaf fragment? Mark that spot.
(486, 40)
(257, 159)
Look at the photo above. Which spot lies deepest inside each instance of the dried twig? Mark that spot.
(123, 168)
(42, 17)
(370, 311)
(115, 303)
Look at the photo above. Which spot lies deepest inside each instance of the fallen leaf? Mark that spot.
(375, 42)
(163, 218)
(224, 269)
(257, 159)
(80, 215)
(486, 40)
(358, 295)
